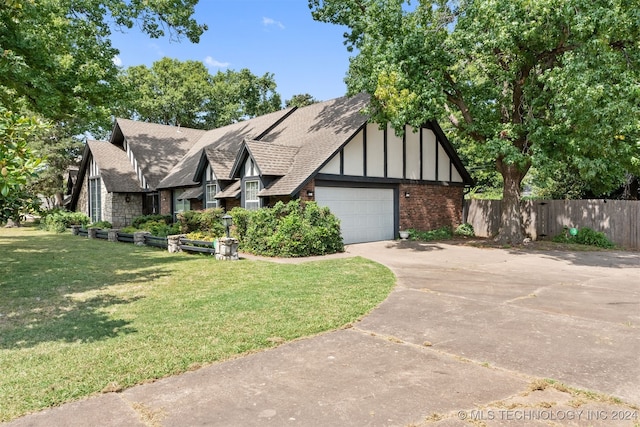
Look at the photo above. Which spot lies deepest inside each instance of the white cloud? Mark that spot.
(117, 61)
(268, 21)
(157, 49)
(210, 61)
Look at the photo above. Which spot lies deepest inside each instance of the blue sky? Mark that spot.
(276, 36)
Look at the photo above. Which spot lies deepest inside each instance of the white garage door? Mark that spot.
(366, 214)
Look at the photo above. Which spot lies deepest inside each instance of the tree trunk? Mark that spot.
(631, 185)
(59, 199)
(511, 231)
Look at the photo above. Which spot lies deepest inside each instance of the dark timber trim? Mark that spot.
(360, 180)
(421, 155)
(437, 158)
(364, 151)
(385, 150)
(404, 152)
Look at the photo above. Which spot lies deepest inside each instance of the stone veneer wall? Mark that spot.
(83, 197)
(119, 212)
(430, 206)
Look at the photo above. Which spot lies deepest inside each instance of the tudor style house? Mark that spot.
(373, 180)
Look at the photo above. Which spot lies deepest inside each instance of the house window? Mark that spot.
(151, 204)
(210, 194)
(180, 205)
(95, 200)
(251, 200)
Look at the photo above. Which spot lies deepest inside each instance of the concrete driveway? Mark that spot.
(467, 336)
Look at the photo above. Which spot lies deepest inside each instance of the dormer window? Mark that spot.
(251, 200)
(211, 188)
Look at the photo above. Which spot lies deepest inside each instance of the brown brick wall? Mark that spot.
(430, 206)
(274, 200)
(165, 202)
(196, 204)
(230, 204)
(311, 186)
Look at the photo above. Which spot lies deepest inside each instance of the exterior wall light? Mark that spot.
(127, 198)
(309, 193)
(227, 221)
(407, 194)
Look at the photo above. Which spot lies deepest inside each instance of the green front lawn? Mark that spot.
(79, 316)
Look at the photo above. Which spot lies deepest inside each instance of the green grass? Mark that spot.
(80, 316)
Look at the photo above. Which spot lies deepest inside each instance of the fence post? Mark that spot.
(227, 249)
(173, 243)
(112, 235)
(138, 237)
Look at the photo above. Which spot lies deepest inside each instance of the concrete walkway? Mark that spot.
(466, 336)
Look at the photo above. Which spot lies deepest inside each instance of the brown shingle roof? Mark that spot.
(272, 158)
(157, 148)
(232, 190)
(317, 131)
(226, 139)
(116, 171)
(221, 161)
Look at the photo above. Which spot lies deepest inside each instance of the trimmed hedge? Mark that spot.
(208, 221)
(295, 229)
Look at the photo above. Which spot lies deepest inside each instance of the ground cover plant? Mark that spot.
(584, 236)
(442, 233)
(80, 316)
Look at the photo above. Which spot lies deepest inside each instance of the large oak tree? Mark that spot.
(547, 83)
(179, 93)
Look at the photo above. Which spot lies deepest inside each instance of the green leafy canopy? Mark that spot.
(545, 83)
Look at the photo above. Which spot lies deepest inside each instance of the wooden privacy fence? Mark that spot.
(618, 219)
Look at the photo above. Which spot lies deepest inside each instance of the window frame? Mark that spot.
(209, 197)
(251, 204)
(95, 199)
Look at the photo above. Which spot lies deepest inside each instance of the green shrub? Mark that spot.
(465, 230)
(442, 233)
(240, 223)
(59, 220)
(201, 235)
(140, 220)
(160, 228)
(585, 236)
(293, 229)
(101, 224)
(208, 220)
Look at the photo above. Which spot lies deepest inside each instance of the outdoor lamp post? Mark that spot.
(227, 221)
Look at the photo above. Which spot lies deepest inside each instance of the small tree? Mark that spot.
(18, 164)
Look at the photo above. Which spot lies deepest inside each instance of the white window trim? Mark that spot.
(251, 204)
(210, 200)
(95, 199)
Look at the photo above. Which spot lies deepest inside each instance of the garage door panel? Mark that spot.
(366, 214)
